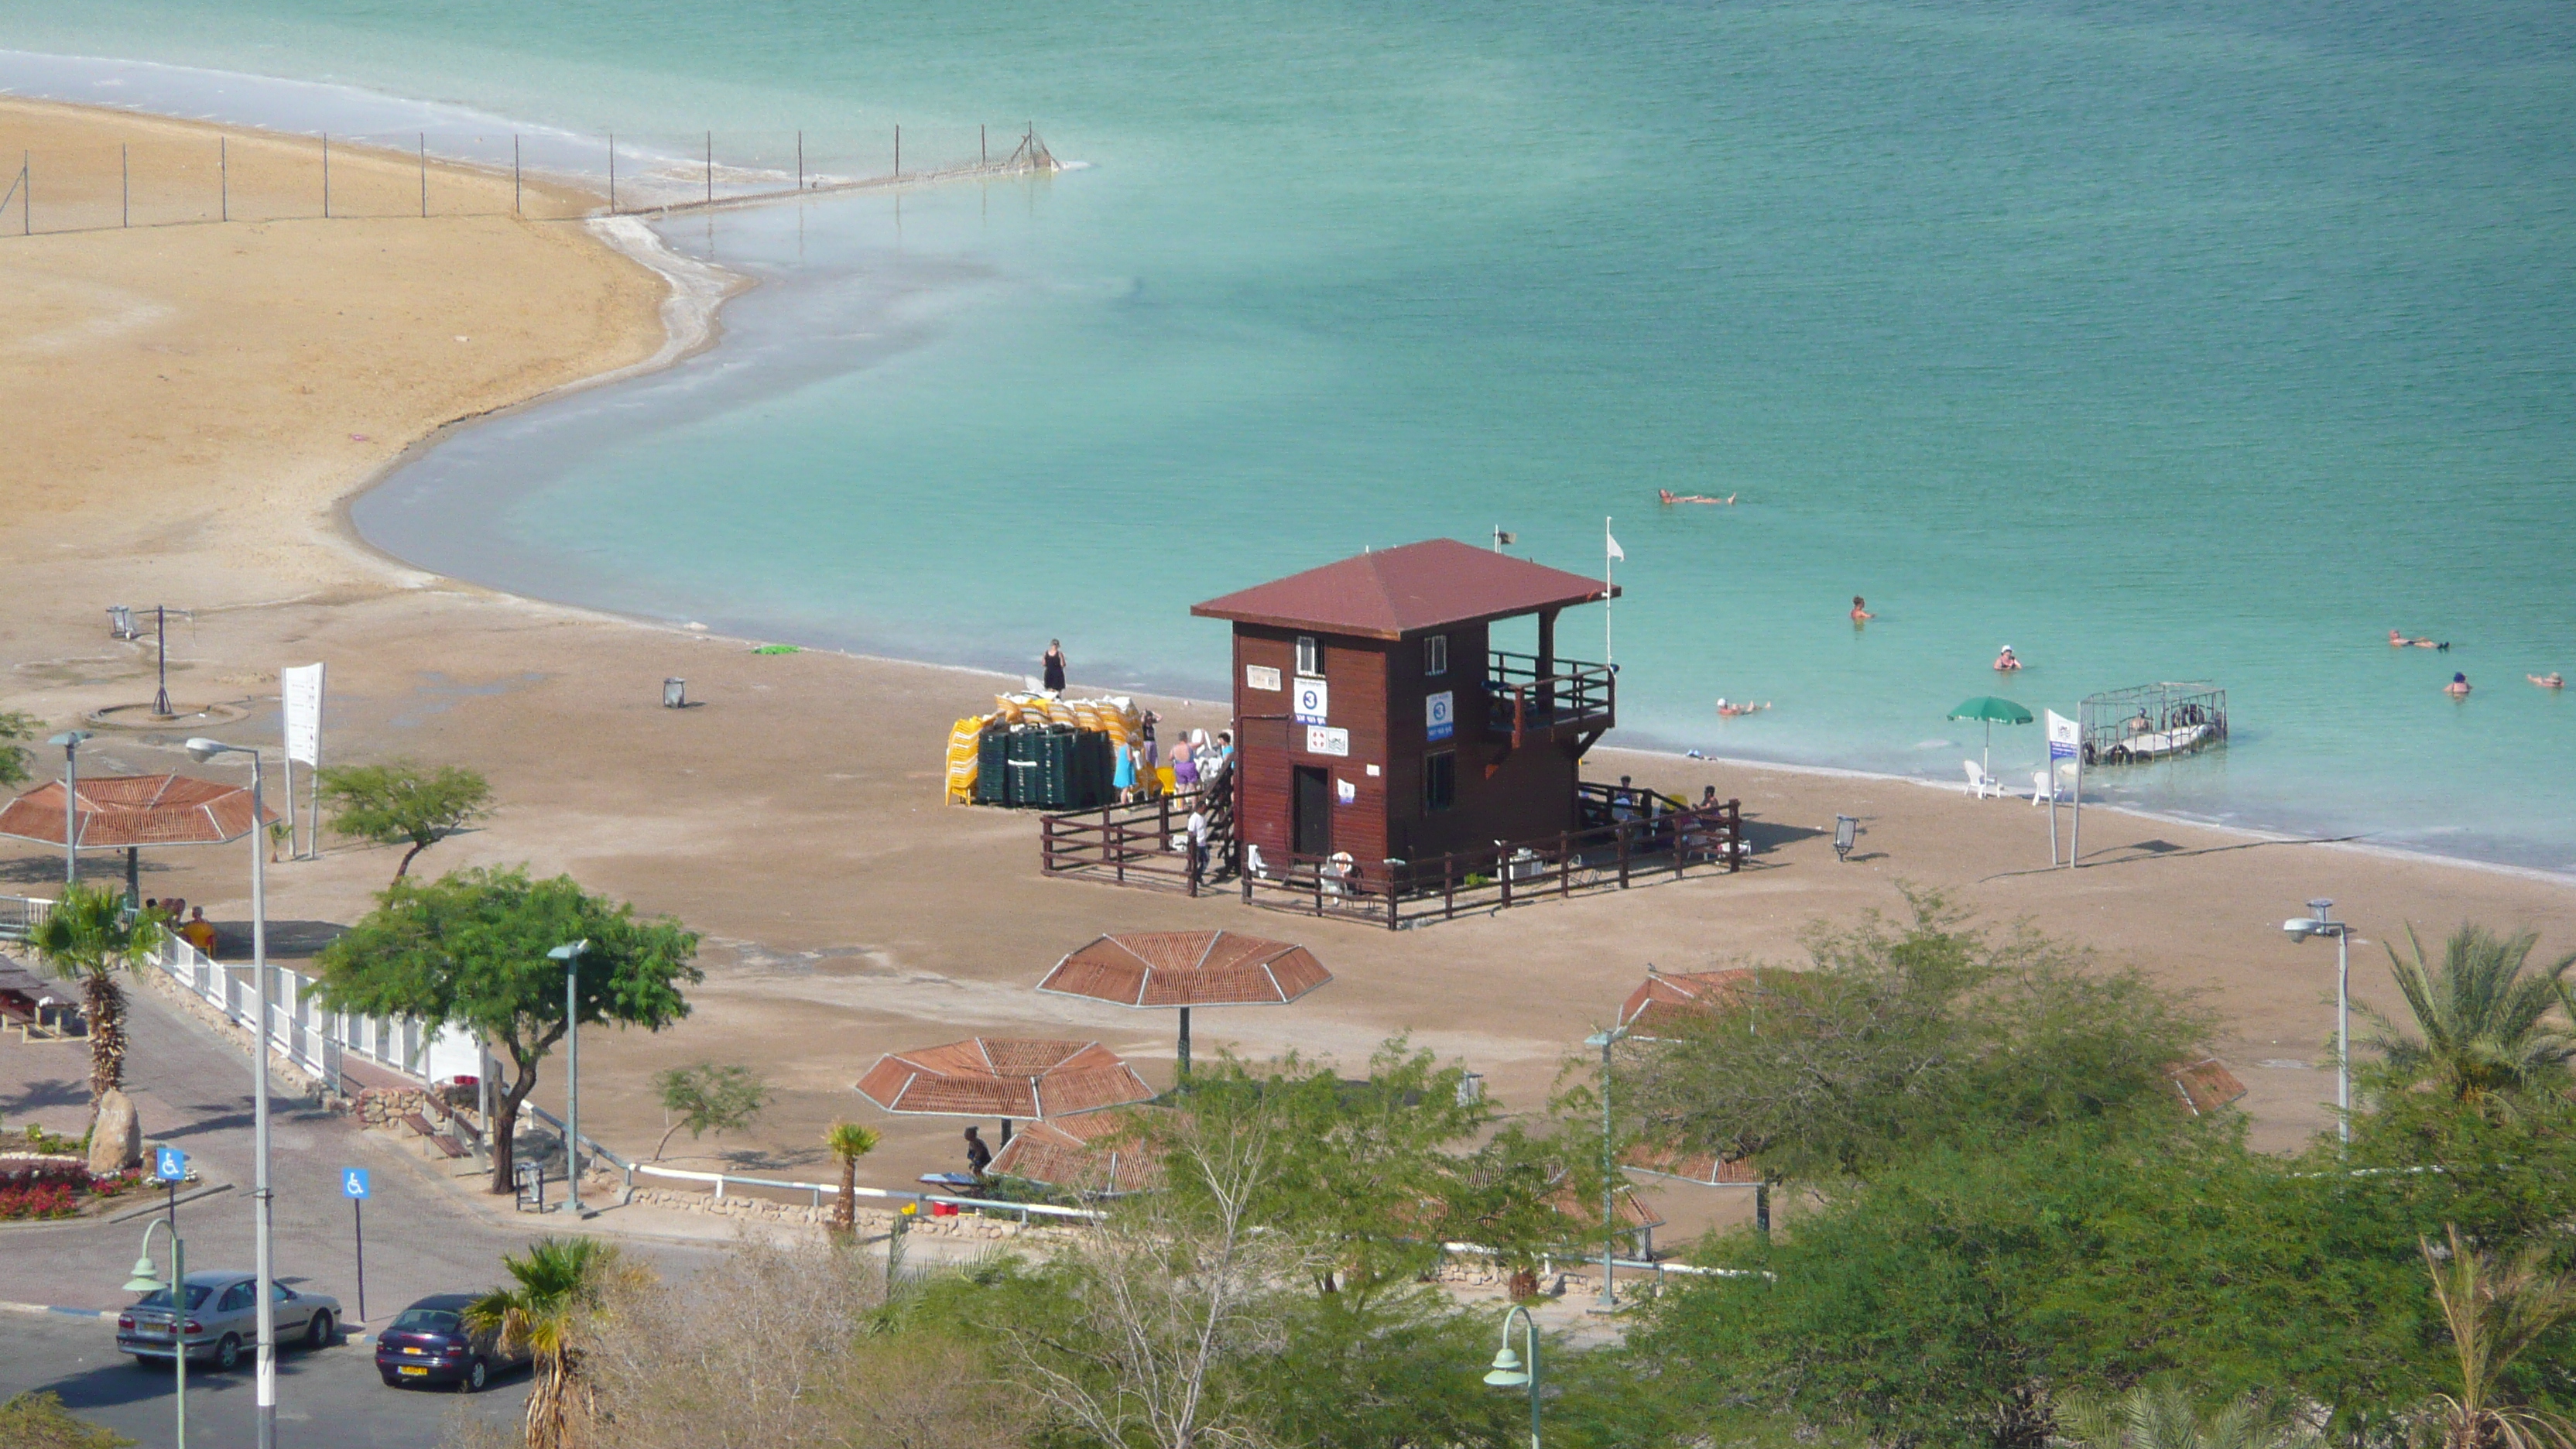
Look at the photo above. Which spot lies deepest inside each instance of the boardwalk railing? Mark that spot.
(817, 1191)
(1145, 843)
(1611, 856)
(298, 1027)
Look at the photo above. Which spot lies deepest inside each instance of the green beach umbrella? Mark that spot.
(1993, 711)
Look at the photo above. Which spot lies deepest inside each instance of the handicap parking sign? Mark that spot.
(353, 1182)
(169, 1164)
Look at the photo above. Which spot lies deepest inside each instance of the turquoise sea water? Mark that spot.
(2160, 341)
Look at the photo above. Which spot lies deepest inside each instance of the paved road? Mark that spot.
(327, 1399)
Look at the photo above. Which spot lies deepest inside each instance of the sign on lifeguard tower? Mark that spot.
(1437, 715)
(1310, 703)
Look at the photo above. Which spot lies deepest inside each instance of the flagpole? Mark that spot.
(1607, 544)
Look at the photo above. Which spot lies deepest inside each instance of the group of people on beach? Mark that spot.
(187, 922)
(2458, 688)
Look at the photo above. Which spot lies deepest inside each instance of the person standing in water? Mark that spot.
(1053, 664)
(2005, 663)
(1860, 610)
(2458, 688)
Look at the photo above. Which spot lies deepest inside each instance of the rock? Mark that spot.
(116, 1141)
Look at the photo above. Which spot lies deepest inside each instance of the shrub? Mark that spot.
(47, 1200)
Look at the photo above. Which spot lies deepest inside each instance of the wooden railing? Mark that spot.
(1614, 855)
(1144, 843)
(1519, 701)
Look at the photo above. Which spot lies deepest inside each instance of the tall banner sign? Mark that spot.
(2065, 742)
(300, 691)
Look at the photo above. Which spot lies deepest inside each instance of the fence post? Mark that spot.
(1623, 830)
(1564, 863)
(1114, 840)
(1503, 872)
(1681, 838)
(1046, 844)
(1449, 886)
(1734, 836)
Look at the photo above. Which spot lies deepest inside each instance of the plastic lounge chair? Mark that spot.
(2041, 792)
(1982, 783)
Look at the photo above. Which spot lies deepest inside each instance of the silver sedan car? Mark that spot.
(221, 1320)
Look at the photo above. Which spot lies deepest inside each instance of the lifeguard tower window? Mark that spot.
(1440, 780)
(1310, 657)
(1435, 655)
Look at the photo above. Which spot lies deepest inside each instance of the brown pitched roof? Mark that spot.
(1669, 1000)
(2205, 1085)
(1187, 968)
(1393, 592)
(116, 811)
(1704, 1168)
(1073, 1153)
(1003, 1077)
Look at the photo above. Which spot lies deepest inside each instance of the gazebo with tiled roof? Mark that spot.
(1009, 1078)
(1185, 969)
(135, 813)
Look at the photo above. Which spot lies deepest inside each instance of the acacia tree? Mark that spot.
(400, 802)
(469, 950)
(87, 938)
(16, 729)
(707, 1098)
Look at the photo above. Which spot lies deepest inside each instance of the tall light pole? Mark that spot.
(70, 740)
(144, 1282)
(1609, 1172)
(2318, 923)
(202, 750)
(570, 955)
(1507, 1372)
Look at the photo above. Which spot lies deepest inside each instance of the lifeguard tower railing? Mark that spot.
(2151, 722)
(1146, 842)
(1571, 699)
(1628, 839)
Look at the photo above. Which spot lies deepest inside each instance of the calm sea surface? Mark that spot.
(2157, 340)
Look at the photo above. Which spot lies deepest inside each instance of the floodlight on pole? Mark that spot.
(1609, 1170)
(70, 740)
(202, 749)
(145, 1280)
(1508, 1371)
(2318, 923)
(570, 955)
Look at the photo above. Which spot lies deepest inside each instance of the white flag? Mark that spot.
(1617, 555)
(301, 689)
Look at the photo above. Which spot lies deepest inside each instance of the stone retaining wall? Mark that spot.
(871, 1222)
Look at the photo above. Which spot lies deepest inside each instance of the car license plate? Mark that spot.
(415, 1351)
(419, 1372)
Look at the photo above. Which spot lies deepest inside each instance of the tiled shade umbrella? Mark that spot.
(1186, 969)
(1010, 1078)
(134, 813)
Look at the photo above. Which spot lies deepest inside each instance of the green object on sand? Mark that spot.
(1993, 711)
(792, 649)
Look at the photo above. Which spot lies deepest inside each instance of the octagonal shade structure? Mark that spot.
(126, 812)
(1004, 1077)
(1668, 1001)
(1187, 968)
(1090, 1154)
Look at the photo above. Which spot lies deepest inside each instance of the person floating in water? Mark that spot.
(1730, 711)
(1860, 610)
(2552, 680)
(2005, 662)
(2398, 639)
(1669, 496)
(2458, 688)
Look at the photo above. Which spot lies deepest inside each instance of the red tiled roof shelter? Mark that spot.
(1005, 1077)
(1186, 969)
(1375, 722)
(1084, 1153)
(125, 812)
(1668, 1001)
(2205, 1085)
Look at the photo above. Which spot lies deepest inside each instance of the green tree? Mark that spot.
(2164, 1417)
(1897, 1038)
(849, 1141)
(469, 950)
(87, 938)
(2496, 1309)
(39, 1421)
(2485, 1026)
(556, 1285)
(16, 731)
(403, 802)
(707, 1098)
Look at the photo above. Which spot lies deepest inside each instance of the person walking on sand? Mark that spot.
(1053, 664)
(2552, 680)
(1860, 610)
(2005, 662)
(2458, 688)
(1124, 780)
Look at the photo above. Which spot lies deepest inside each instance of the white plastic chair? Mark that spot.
(2041, 792)
(1981, 783)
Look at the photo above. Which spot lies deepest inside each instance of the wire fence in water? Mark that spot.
(264, 176)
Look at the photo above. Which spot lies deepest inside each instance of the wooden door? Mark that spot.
(1312, 812)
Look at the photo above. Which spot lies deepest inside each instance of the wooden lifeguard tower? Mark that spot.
(1374, 723)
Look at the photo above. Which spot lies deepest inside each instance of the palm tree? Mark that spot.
(2494, 1313)
(2165, 1418)
(560, 1282)
(87, 938)
(849, 1142)
(2485, 1024)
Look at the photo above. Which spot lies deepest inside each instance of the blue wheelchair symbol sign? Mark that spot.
(169, 1164)
(353, 1182)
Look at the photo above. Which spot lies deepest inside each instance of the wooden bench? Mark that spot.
(447, 1146)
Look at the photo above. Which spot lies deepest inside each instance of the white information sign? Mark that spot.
(301, 691)
(1309, 703)
(1437, 710)
(1350, 792)
(2063, 736)
(1322, 741)
(1260, 676)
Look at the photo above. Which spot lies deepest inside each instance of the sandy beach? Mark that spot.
(190, 406)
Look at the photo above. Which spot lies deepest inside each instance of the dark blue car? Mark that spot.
(429, 1344)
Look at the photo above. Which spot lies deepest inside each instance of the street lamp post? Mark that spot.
(70, 740)
(1609, 1172)
(1508, 1373)
(2318, 923)
(202, 750)
(570, 955)
(144, 1282)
